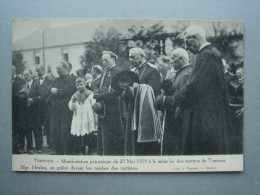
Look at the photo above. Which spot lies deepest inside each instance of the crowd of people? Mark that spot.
(191, 109)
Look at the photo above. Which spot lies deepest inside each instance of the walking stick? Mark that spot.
(163, 126)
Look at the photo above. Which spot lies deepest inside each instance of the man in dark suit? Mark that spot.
(62, 89)
(44, 91)
(32, 123)
(205, 94)
(18, 106)
(110, 131)
(148, 74)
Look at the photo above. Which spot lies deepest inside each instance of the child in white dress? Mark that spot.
(84, 120)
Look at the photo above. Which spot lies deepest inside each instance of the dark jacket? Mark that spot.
(206, 127)
(43, 91)
(149, 74)
(95, 85)
(110, 138)
(18, 102)
(33, 110)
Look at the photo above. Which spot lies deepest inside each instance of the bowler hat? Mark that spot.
(123, 80)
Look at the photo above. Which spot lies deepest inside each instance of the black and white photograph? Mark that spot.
(126, 92)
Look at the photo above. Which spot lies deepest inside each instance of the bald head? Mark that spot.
(137, 56)
(138, 51)
(179, 58)
(181, 53)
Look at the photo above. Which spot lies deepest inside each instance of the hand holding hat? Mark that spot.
(123, 80)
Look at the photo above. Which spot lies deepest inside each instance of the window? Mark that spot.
(66, 57)
(37, 60)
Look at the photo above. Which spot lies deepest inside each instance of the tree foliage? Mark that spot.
(104, 40)
(228, 38)
(18, 61)
(112, 40)
(147, 38)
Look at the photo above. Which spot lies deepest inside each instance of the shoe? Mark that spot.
(30, 152)
(38, 151)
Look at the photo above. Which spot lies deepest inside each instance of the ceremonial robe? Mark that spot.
(148, 74)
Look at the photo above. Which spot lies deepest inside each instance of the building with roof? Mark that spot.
(67, 43)
(53, 45)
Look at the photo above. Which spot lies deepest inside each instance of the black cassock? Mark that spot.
(110, 138)
(207, 124)
(61, 115)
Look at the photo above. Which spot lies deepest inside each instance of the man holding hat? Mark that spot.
(110, 124)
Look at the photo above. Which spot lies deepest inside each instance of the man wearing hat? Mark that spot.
(18, 107)
(110, 127)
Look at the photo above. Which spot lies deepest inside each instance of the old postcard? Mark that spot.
(127, 95)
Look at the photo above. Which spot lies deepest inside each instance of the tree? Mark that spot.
(229, 40)
(147, 38)
(105, 40)
(18, 62)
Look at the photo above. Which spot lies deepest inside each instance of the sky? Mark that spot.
(24, 27)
